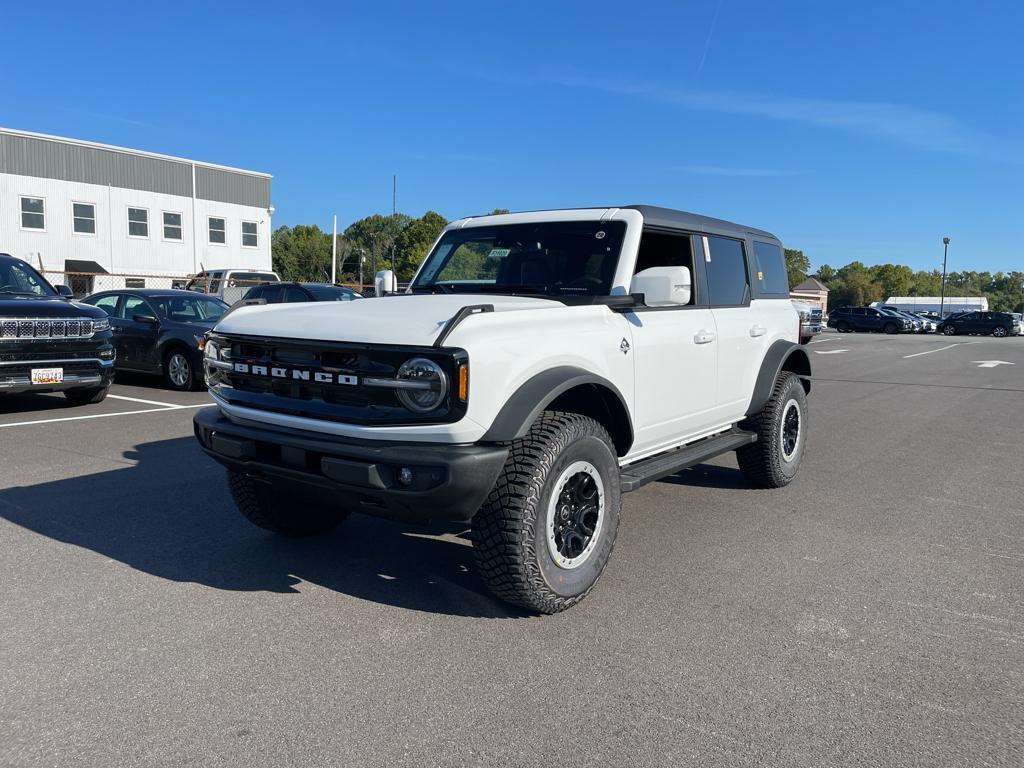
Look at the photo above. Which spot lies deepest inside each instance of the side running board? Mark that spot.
(642, 472)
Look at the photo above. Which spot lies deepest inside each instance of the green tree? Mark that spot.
(414, 241)
(373, 238)
(893, 279)
(797, 266)
(826, 274)
(302, 252)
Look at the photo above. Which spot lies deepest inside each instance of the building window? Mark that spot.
(172, 226)
(32, 213)
(217, 231)
(83, 218)
(250, 239)
(138, 222)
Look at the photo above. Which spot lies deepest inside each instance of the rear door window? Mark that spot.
(293, 294)
(771, 268)
(728, 282)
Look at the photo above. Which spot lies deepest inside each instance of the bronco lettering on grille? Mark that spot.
(296, 374)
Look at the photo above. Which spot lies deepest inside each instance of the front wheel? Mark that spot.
(843, 327)
(891, 328)
(781, 428)
(178, 371)
(545, 532)
(949, 330)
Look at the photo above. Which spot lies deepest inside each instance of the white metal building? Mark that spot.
(76, 206)
(934, 303)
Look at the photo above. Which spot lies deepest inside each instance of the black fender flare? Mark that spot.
(536, 393)
(782, 355)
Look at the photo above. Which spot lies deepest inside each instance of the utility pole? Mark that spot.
(942, 298)
(394, 212)
(334, 252)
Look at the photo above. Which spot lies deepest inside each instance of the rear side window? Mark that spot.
(727, 272)
(771, 268)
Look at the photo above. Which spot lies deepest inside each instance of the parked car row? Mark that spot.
(49, 343)
(892, 320)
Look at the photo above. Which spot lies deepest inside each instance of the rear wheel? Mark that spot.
(781, 428)
(281, 509)
(1000, 331)
(178, 371)
(545, 532)
(86, 396)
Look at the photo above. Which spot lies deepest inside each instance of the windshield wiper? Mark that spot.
(535, 290)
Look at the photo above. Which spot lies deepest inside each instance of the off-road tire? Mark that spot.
(283, 510)
(86, 396)
(509, 532)
(764, 463)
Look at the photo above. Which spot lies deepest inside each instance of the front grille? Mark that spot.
(18, 328)
(353, 403)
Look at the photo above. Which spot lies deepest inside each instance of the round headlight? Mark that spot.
(426, 385)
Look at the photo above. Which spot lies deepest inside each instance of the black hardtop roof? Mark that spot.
(672, 219)
(695, 222)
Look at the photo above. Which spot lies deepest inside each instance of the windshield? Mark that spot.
(331, 293)
(189, 309)
(552, 258)
(17, 277)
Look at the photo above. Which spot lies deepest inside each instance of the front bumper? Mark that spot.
(79, 373)
(448, 481)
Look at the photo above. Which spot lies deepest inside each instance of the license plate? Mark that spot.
(47, 375)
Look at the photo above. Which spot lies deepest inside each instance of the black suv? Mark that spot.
(287, 293)
(847, 319)
(998, 324)
(47, 342)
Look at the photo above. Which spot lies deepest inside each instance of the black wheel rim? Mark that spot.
(790, 429)
(575, 515)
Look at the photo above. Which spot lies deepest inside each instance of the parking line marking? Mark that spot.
(140, 400)
(950, 346)
(822, 341)
(102, 415)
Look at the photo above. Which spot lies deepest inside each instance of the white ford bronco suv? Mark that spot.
(539, 366)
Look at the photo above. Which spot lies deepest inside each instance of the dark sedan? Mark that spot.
(999, 324)
(285, 293)
(160, 331)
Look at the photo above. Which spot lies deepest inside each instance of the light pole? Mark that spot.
(942, 298)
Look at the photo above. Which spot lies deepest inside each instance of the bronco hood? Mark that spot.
(403, 319)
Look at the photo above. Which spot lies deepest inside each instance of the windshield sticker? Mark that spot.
(499, 253)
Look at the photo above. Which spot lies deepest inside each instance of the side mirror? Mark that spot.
(384, 282)
(663, 286)
(146, 319)
(65, 291)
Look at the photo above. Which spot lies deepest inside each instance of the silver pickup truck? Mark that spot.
(810, 320)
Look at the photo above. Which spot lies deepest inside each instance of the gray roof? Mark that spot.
(811, 284)
(669, 217)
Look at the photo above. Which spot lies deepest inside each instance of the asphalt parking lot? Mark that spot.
(870, 614)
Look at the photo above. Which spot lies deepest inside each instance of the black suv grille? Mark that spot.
(324, 380)
(77, 328)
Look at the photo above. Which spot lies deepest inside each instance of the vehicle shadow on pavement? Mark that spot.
(169, 514)
(709, 476)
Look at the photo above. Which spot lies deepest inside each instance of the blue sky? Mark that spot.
(853, 130)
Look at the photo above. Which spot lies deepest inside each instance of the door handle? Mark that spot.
(703, 337)
(758, 330)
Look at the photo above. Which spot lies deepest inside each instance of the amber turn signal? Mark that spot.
(463, 382)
